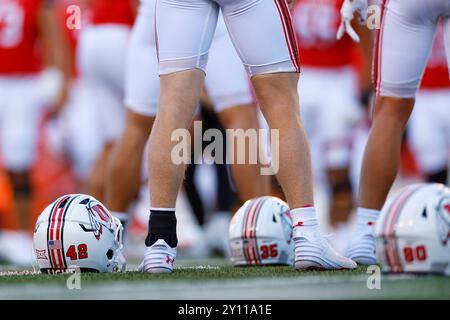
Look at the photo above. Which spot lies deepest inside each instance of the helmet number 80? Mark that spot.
(415, 254)
(81, 254)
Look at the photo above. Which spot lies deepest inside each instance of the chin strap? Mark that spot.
(120, 263)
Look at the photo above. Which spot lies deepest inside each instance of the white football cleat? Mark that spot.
(361, 248)
(158, 258)
(313, 251)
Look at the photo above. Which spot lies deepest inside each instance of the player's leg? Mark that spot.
(20, 131)
(102, 57)
(247, 177)
(183, 53)
(228, 86)
(382, 154)
(110, 116)
(125, 166)
(141, 99)
(337, 120)
(396, 88)
(75, 133)
(404, 41)
(274, 67)
(181, 79)
(21, 117)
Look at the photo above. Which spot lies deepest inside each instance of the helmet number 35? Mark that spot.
(269, 251)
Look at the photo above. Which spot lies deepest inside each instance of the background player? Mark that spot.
(227, 85)
(331, 116)
(30, 41)
(274, 68)
(429, 128)
(67, 134)
(102, 53)
(403, 45)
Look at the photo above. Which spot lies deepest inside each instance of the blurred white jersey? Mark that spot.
(429, 125)
(261, 31)
(226, 81)
(330, 119)
(22, 106)
(404, 42)
(429, 133)
(102, 53)
(76, 132)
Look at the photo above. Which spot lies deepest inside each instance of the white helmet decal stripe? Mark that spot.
(252, 220)
(62, 229)
(55, 205)
(53, 240)
(244, 228)
(253, 231)
(57, 235)
(251, 251)
(392, 254)
(250, 254)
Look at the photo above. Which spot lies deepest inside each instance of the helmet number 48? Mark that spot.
(74, 255)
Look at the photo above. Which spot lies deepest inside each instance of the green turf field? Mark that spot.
(214, 279)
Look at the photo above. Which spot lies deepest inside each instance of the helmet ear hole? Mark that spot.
(110, 254)
(424, 213)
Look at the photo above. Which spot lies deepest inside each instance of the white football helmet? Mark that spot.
(413, 230)
(77, 231)
(261, 233)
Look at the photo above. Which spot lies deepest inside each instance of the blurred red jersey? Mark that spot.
(316, 23)
(436, 75)
(72, 33)
(112, 11)
(19, 49)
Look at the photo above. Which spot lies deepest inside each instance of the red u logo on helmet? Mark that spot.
(101, 212)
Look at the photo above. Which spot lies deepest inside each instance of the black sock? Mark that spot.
(162, 225)
(438, 176)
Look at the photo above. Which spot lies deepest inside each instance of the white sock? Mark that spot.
(304, 217)
(366, 217)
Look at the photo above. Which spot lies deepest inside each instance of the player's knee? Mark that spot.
(138, 124)
(182, 85)
(276, 86)
(391, 109)
(241, 116)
